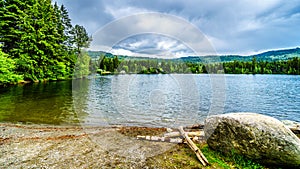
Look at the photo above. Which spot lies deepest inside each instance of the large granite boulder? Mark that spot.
(258, 137)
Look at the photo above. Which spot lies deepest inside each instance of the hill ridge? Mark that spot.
(272, 55)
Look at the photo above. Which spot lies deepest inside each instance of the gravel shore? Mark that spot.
(37, 146)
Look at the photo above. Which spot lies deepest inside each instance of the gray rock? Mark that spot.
(258, 137)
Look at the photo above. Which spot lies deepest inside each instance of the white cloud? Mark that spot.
(139, 44)
(166, 45)
(153, 45)
(178, 31)
(231, 26)
(122, 52)
(249, 25)
(124, 11)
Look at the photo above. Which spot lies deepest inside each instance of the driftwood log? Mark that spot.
(193, 134)
(192, 145)
(161, 139)
(195, 126)
(190, 134)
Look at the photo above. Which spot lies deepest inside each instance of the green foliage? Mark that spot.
(263, 67)
(82, 68)
(7, 70)
(109, 64)
(40, 38)
(232, 160)
(153, 66)
(181, 156)
(80, 38)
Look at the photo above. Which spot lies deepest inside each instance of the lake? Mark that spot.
(150, 100)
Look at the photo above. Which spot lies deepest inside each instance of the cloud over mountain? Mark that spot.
(239, 27)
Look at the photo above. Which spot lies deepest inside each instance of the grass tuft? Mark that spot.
(181, 156)
(232, 160)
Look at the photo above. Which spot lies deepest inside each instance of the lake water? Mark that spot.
(150, 100)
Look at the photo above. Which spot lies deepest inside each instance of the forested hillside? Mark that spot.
(276, 55)
(109, 63)
(38, 42)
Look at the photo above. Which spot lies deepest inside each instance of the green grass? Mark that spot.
(181, 156)
(232, 160)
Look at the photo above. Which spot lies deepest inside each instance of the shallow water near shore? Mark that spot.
(150, 100)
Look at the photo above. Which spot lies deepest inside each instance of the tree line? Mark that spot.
(155, 66)
(38, 42)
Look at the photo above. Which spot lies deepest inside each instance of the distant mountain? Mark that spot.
(285, 54)
(274, 55)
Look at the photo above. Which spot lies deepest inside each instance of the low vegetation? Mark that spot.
(181, 156)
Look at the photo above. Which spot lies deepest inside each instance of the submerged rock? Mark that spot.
(258, 137)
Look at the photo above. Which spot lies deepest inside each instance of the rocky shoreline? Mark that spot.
(42, 146)
(36, 146)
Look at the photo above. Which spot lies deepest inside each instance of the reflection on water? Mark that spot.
(150, 100)
(42, 103)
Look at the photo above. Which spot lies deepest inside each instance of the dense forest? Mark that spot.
(108, 64)
(39, 43)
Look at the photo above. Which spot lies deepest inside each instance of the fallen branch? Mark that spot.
(190, 134)
(196, 126)
(161, 139)
(191, 144)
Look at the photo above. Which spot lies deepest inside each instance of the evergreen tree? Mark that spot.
(39, 37)
(80, 38)
(254, 62)
(116, 62)
(11, 14)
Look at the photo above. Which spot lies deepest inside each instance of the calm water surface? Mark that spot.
(150, 100)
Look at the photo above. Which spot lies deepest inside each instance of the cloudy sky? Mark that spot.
(174, 28)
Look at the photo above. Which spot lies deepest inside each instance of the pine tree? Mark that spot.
(11, 14)
(80, 38)
(37, 35)
(116, 62)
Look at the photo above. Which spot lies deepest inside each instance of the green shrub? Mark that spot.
(7, 70)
